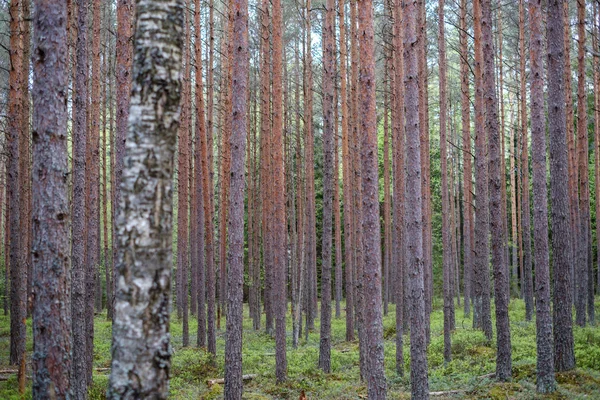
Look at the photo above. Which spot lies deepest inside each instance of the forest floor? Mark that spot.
(465, 377)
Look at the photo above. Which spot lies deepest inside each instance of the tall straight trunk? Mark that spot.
(398, 165)
(78, 266)
(465, 102)
(358, 194)
(501, 279)
(527, 287)
(413, 215)
(279, 221)
(585, 280)
(225, 159)
(482, 314)
(513, 210)
(18, 274)
(596, 67)
(545, 362)
(265, 134)
(446, 244)
(425, 167)
(235, 273)
(572, 150)
(183, 180)
(92, 250)
(387, 211)
(564, 356)
(141, 348)
(104, 153)
(310, 227)
(200, 215)
(348, 211)
(123, 63)
(51, 246)
(336, 211)
(373, 318)
(328, 149)
(25, 158)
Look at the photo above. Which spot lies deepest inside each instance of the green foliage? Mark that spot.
(466, 376)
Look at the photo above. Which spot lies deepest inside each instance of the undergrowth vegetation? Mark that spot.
(467, 376)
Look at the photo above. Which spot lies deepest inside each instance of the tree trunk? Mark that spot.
(482, 314)
(141, 348)
(525, 208)
(51, 247)
(446, 245)
(78, 266)
(346, 170)
(328, 149)
(398, 165)
(413, 215)
(545, 361)
(596, 67)
(235, 273)
(564, 356)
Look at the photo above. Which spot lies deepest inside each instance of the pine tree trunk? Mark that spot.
(398, 164)
(235, 273)
(481, 293)
(446, 244)
(328, 149)
(141, 348)
(545, 362)
(78, 266)
(564, 357)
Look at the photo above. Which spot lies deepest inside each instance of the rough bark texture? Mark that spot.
(527, 279)
(481, 284)
(18, 273)
(349, 269)
(373, 318)
(235, 273)
(564, 356)
(585, 281)
(328, 149)
(78, 267)
(124, 49)
(465, 102)
(279, 221)
(183, 179)
(141, 349)
(446, 245)
(545, 361)
(501, 279)
(413, 215)
(398, 161)
(199, 182)
(51, 247)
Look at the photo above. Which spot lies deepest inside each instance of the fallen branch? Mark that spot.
(490, 375)
(433, 394)
(220, 381)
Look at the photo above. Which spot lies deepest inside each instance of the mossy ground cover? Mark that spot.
(473, 358)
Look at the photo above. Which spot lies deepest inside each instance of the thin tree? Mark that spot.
(446, 244)
(596, 68)
(398, 165)
(328, 149)
(235, 273)
(78, 267)
(141, 348)
(199, 183)
(482, 314)
(465, 102)
(545, 362)
(279, 221)
(346, 170)
(564, 356)
(527, 278)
